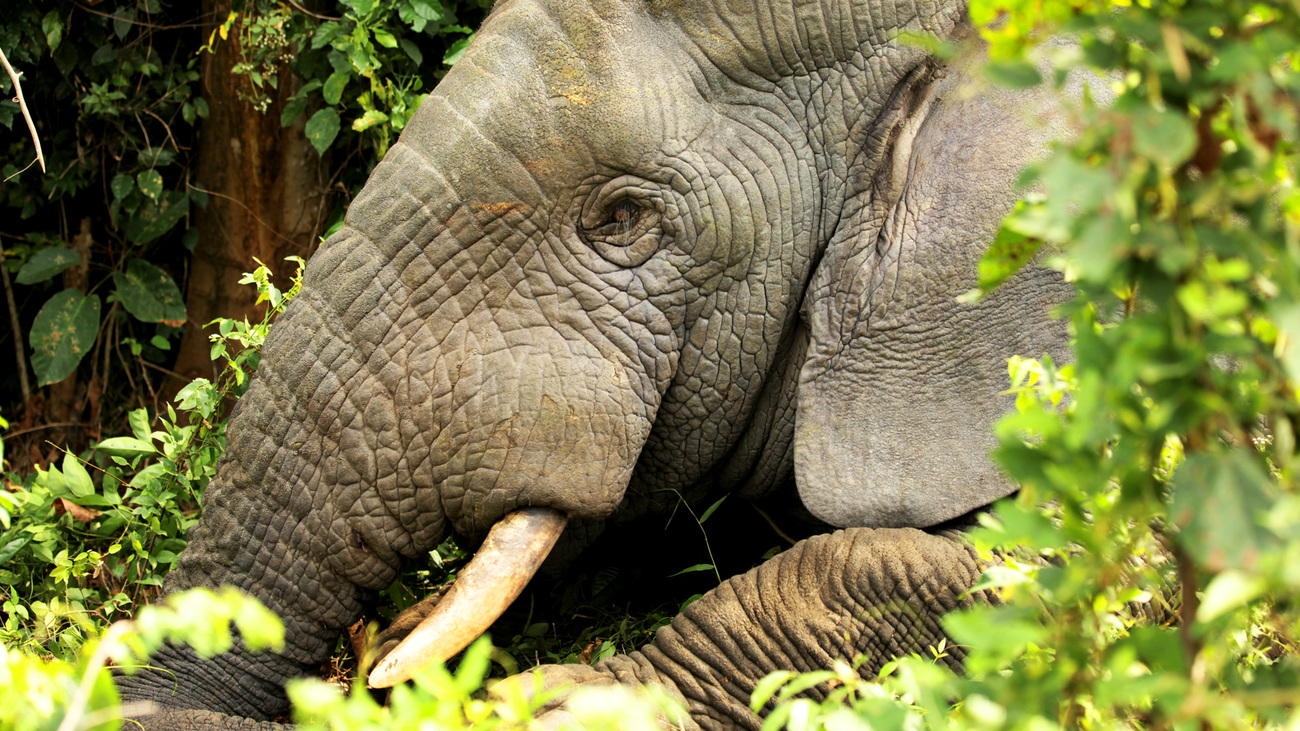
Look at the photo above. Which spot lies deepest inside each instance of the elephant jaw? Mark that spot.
(512, 552)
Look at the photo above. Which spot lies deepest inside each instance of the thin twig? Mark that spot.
(166, 127)
(19, 351)
(305, 11)
(55, 425)
(20, 172)
(22, 104)
(772, 523)
(240, 203)
(203, 21)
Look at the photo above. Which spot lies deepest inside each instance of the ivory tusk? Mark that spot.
(512, 552)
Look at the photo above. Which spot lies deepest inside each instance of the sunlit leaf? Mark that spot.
(1218, 503)
(78, 479)
(125, 447)
(693, 569)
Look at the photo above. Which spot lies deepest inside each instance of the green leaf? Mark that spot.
(1008, 254)
(53, 29)
(767, 687)
(122, 186)
(150, 182)
(1287, 318)
(1218, 503)
(62, 334)
(427, 9)
(46, 263)
(328, 31)
(385, 39)
(292, 110)
(12, 548)
(79, 482)
(413, 51)
(334, 85)
(997, 577)
(139, 421)
(360, 7)
(710, 510)
(995, 635)
(1012, 74)
(1226, 592)
(148, 293)
(368, 120)
(125, 447)
(692, 569)
(322, 128)
(805, 681)
(457, 50)
(1165, 137)
(123, 19)
(156, 157)
(155, 219)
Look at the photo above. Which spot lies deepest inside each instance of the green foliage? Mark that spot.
(439, 698)
(365, 66)
(79, 693)
(77, 550)
(115, 101)
(116, 96)
(1147, 566)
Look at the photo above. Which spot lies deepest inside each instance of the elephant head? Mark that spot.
(628, 250)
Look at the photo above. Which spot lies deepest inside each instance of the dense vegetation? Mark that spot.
(1147, 565)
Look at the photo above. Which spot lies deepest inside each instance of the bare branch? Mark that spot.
(19, 351)
(305, 11)
(22, 104)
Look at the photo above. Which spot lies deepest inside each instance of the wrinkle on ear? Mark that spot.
(882, 170)
(902, 383)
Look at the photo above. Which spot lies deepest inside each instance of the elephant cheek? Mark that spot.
(564, 433)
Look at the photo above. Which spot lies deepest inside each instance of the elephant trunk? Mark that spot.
(291, 518)
(878, 593)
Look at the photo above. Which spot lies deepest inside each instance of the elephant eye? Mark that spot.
(624, 223)
(620, 219)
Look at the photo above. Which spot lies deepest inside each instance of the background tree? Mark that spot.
(183, 143)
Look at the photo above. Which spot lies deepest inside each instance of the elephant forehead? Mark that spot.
(559, 94)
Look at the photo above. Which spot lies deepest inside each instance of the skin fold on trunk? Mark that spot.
(878, 593)
(512, 552)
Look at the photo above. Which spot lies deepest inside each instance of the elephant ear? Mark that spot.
(902, 383)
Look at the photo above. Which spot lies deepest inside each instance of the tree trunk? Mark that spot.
(266, 196)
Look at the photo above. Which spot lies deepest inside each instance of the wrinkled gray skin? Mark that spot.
(632, 246)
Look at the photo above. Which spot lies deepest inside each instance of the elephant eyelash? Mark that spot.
(624, 227)
(622, 217)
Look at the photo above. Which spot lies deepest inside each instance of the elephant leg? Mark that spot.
(860, 591)
(195, 720)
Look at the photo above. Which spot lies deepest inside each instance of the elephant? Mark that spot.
(627, 250)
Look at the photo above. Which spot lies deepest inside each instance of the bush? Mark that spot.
(76, 554)
(1148, 564)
